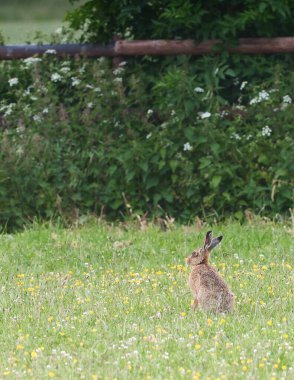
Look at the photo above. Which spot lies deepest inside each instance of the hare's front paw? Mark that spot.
(194, 304)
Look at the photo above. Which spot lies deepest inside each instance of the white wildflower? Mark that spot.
(204, 115)
(266, 131)
(8, 109)
(263, 95)
(19, 151)
(118, 71)
(235, 136)
(37, 118)
(75, 81)
(118, 80)
(45, 110)
(123, 63)
(90, 105)
(224, 113)
(13, 81)
(243, 84)
(31, 60)
(50, 51)
(149, 135)
(149, 112)
(58, 30)
(198, 89)
(20, 129)
(27, 92)
(173, 112)
(253, 101)
(8, 112)
(287, 99)
(97, 89)
(187, 147)
(65, 70)
(82, 69)
(55, 77)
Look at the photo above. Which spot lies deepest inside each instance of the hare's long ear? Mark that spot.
(208, 239)
(215, 242)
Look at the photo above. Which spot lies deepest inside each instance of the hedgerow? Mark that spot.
(78, 137)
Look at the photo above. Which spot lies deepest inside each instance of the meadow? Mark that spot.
(112, 302)
(22, 21)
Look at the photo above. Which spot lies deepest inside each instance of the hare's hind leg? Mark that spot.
(194, 304)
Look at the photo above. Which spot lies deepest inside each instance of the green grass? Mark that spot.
(34, 9)
(21, 32)
(102, 302)
(21, 20)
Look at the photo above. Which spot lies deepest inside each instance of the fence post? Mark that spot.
(116, 61)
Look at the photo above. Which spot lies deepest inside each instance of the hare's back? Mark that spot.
(212, 281)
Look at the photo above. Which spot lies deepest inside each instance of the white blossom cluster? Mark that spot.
(55, 77)
(262, 96)
(243, 84)
(204, 115)
(13, 81)
(235, 136)
(198, 89)
(287, 99)
(187, 147)
(266, 131)
(31, 61)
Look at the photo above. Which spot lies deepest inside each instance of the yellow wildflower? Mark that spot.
(34, 354)
(209, 322)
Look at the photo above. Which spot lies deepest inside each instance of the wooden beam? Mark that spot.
(189, 47)
(151, 47)
(63, 50)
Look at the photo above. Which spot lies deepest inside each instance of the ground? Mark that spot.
(106, 302)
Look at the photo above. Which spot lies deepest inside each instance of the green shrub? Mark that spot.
(79, 137)
(100, 20)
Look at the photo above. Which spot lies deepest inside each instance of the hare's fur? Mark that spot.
(209, 290)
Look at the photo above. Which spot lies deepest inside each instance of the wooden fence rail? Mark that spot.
(122, 48)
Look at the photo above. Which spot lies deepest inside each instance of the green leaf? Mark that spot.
(143, 165)
(152, 182)
(204, 162)
(215, 181)
(230, 73)
(130, 175)
(168, 196)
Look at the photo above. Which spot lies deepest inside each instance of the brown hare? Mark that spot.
(209, 290)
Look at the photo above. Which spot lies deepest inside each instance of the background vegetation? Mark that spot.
(209, 136)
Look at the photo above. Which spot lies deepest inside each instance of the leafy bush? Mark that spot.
(78, 137)
(100, 20)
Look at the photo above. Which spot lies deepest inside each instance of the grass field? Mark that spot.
(21, 20)
(21, 32)
(102, 302)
